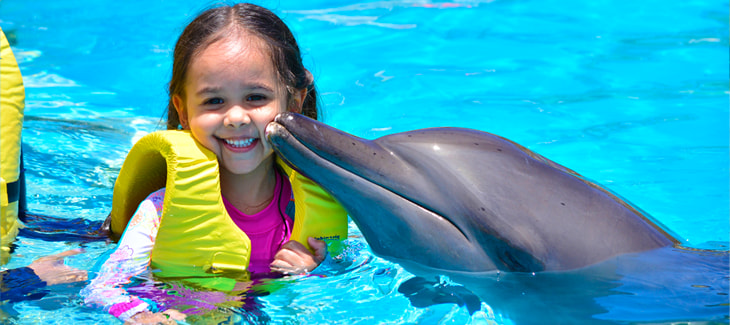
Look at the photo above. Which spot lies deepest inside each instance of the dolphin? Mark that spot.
(465, 201)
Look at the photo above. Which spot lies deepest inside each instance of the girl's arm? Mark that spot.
(131, 258)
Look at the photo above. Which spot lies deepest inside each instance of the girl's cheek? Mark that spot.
(209, 119)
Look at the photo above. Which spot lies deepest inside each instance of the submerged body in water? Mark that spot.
(661, 286)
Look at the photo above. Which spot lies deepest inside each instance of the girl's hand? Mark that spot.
(295, 258)
(170, 316)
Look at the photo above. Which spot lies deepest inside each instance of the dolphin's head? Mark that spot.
(414, 195)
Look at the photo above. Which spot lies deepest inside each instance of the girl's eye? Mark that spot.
(213, 101)
(254, 98)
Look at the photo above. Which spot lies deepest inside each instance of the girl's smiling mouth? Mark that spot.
(240, 144)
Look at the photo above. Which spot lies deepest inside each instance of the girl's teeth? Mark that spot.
(239, 143)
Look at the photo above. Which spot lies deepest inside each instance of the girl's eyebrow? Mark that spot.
(215, 90)
(208, 90)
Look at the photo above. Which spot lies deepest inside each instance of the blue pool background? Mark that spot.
(633, 95)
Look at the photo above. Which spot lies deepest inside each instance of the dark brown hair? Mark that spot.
(217, 23)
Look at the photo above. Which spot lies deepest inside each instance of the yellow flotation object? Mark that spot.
(12, 104)
(196, 237)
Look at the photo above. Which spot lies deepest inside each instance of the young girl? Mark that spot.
(235, 68)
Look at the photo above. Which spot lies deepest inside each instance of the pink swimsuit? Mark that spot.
(266, 229)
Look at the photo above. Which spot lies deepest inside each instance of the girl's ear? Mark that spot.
(298, 100)
(181, 112)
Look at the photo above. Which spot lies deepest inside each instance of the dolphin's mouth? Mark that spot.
(289, 144)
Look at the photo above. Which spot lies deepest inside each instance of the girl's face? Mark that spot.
(231, 93)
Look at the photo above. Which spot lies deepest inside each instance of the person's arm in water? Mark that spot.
(23, 283)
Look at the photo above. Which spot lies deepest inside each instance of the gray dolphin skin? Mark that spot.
(463, 200)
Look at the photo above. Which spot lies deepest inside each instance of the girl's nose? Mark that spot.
(236, 116)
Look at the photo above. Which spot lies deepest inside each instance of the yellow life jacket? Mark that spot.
(197, 237)
(12, 104)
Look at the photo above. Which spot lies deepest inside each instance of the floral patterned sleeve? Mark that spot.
(131, 258)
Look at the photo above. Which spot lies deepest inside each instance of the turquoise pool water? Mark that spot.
(633, 95)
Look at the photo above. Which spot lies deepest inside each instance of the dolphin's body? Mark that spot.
(466, 203)
(462, 200)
